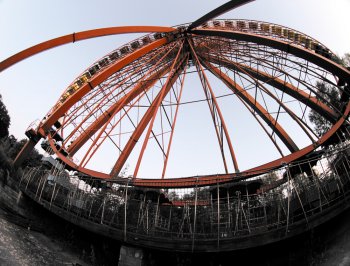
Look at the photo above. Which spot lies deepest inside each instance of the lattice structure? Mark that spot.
(126, 109)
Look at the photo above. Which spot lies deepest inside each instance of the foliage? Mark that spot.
(10, 146)
(330, 95)
(4, 120)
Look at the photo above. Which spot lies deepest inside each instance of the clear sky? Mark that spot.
(31, 87)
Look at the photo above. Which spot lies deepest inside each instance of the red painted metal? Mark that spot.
(173, 126)
(215, 103)
(173, 76)
(78, 36)
(100, 77)
(256, 106)
(128, 65)
(144, 122)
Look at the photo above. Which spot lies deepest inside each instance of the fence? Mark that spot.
(213, 213)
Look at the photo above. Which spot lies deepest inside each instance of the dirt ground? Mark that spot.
(23, 246)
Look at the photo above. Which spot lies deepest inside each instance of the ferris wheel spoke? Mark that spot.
(177, 67)
(143, 85)
(245, 96)
(96, 80)
(129, 71)
(312, 102)
(216, 114)
(106, 117)
(98, 141)
(254, 114)
(148, 116)
(178, 99)
(299, 121)
(289, 48)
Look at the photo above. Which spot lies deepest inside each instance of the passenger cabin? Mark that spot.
(135, 45)
(228, 24)
(124, 50)
(253, 25)
(216, 23)
(146, 40)
(113, 56)
(241, 24)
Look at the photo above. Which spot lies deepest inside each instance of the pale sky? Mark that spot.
(30, 88)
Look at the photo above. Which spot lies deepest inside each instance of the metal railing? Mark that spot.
(224, 211)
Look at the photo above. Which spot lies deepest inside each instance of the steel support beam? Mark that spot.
(75, 37)
(281, 85)
(246, 97)
(327, 64)
(145, 121)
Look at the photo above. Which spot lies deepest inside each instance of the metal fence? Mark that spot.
(222, 211)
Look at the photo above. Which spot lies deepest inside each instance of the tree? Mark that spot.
(34, 158)
(330, 95)
(4, 120)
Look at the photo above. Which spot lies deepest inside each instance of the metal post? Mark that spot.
(38, 188)
(228, 209)
(195, 217)
(301, 204)
(218, 214)
(125, 208)
(142, 204)
(288, 200)
(42, 189)
(337, 176)
(170, 217)
(248, 205)
(278, 212)
(53, 193)
(347, 173)
(157, 210)
(103, 209)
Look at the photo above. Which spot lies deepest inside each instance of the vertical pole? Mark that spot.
(53, 193)
(228, 208)
(278, 212)
(211, 213)
(125, 207)
(170, 217)
(248, 205)
(301, 203)
(195, 217)
(218, 206)
(337, 175)
(347, 173)
(103, 209)
(157, 210)
(288, 201)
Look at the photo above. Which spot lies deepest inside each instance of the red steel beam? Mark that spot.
(143, 124)
(165, 164)
(327, 64)
(282, 134)
(173, 76)
(78, 36)
(95, 81)
(215, 103)
(115, 108)
(214, 179)
(282, 85)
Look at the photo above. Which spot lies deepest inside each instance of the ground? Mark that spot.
(23, 246)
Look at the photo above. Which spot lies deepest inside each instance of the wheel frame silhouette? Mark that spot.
(164, 53)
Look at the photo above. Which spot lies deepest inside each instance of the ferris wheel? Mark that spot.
(207, 102)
